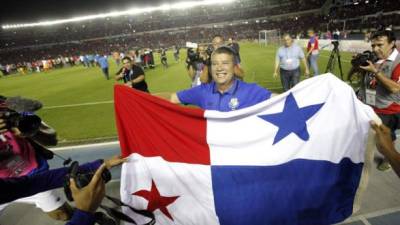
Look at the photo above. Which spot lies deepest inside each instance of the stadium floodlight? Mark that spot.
(131, 11)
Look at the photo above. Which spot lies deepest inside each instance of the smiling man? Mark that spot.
(225, 92)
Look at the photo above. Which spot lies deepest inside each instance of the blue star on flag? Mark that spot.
(292, 119)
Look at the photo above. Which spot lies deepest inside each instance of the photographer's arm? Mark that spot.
(15, 188)
(204, 75)
(138, 79)
(191, 72)
(389, 84)
(119, 75)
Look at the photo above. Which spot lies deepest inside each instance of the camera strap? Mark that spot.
(120, 216)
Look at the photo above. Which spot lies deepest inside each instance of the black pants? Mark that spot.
(289, 78)
(105, 72)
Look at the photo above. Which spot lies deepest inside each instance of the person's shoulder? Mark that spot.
(205, 86)
(251, 86)
(255, 91)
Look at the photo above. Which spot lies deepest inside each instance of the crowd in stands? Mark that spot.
(240, 10)
(243, 21)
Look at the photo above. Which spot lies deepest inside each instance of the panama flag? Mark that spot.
(296, 158)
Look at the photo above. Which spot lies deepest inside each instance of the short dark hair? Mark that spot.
(127, 58)
(287, 34)
(225, 50)
(391, 37)
(218, 36)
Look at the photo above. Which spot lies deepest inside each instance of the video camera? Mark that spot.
(209, 50)
(26, 122)
(362, 58)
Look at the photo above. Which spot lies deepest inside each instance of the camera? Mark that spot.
(362, 58)
(209, 50)
(192, 55)
(26, 122)
(81, 179)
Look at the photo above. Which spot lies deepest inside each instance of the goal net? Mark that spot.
(268, 37)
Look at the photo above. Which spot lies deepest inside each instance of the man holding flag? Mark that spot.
(294, 159)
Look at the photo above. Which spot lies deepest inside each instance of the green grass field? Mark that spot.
(63, 91)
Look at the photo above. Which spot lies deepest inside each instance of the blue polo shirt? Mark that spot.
(103, 62)
(239, 96)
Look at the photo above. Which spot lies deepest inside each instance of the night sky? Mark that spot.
(26, 11)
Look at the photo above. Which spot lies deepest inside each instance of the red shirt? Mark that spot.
(394, 107)
(313, 40)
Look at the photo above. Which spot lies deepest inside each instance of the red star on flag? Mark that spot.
(156, 201)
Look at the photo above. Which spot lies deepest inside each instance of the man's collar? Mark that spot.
(393, 56)
(231, 90)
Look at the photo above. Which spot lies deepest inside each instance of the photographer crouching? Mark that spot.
(24, 172)
(386, 74)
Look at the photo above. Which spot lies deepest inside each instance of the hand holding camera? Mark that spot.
(88, 198)
(88, 189)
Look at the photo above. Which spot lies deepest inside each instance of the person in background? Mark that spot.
(132, 75)
(103, 63)
(287, 63)
(313, 51)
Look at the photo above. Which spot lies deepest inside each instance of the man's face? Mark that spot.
(127, 64)
(222, 68)
(310, 33)
(201, 50)
(217, 42)
(382, 47)
(287, 40)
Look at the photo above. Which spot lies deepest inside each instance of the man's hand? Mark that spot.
(307, 73)
(89, 198)
(275, 75)
(384, 141)
(114, 161)
(2, 126)
(119, 77)
(370, 68)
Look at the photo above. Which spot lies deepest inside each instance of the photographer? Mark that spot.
(196, 61)
(387, 75)
(22, 153)
(87, 199)
(132, 75)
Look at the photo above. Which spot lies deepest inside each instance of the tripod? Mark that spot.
(335, 54)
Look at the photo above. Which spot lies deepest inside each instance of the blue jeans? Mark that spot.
(289, 78)
(313, 64)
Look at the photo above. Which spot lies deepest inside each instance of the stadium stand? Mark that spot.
(242, 20)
